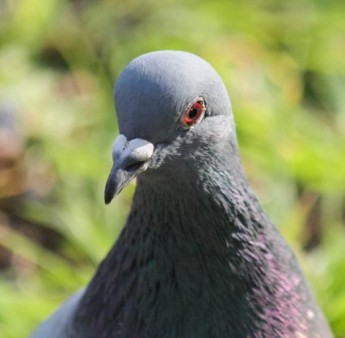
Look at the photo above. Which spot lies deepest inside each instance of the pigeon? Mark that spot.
(197, 257)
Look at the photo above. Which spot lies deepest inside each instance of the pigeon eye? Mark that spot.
(194, 113)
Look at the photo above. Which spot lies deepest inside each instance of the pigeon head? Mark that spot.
(173, 110)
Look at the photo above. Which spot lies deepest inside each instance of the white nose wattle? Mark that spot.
(136, 150)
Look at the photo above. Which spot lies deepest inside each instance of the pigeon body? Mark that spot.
(197, 257)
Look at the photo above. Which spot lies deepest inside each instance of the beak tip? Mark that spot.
(109, 192)
(107, 200)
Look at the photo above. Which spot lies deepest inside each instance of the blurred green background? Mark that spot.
(283, 63)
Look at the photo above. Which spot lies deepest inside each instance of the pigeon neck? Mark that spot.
(202, 253)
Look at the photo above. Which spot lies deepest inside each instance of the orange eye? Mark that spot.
(194, 113)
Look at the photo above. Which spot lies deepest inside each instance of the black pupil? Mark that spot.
(193, 113)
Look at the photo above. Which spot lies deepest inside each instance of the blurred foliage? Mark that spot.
(284, 65)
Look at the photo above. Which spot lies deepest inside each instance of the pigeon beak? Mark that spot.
(130, 158)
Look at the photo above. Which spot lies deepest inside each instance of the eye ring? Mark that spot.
(194, 112)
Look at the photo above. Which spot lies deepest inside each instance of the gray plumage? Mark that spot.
(197, 257)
